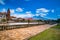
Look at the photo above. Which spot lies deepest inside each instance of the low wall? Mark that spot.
(8, 26)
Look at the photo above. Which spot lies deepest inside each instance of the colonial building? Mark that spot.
(8, 15)
(5, 16)
(2, 16)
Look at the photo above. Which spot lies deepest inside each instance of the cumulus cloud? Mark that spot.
(19, 9)
(12, 10)
(42, 12)
(37, 14)
(29, 14)
(42, 15)
(4, 10)
(19, 15)
(2, 2)
(52, 11)
(22, 15)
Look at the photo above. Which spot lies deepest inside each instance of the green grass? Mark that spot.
(50, 34)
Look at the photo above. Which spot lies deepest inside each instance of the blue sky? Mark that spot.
(47, 9)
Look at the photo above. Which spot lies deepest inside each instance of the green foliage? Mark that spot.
(3, 20)
(58, 20)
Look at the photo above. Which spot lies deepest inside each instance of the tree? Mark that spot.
(39, 21)
(3, 20)
(58, 21)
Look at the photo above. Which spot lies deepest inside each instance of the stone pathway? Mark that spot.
(22, 33)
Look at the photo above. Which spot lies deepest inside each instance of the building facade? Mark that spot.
(4, 16)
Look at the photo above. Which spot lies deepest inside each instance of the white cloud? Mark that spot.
(12, 10)
(22, 15)
(19, 9)
(29, 14)
(4, 10)
(52, 11)
(42, 10)
(37, 14)
(19, 15)
(43, 15)
(2, 2)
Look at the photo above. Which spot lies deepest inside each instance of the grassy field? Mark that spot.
(50, 34)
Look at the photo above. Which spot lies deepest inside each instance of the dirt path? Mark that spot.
(22, 33)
